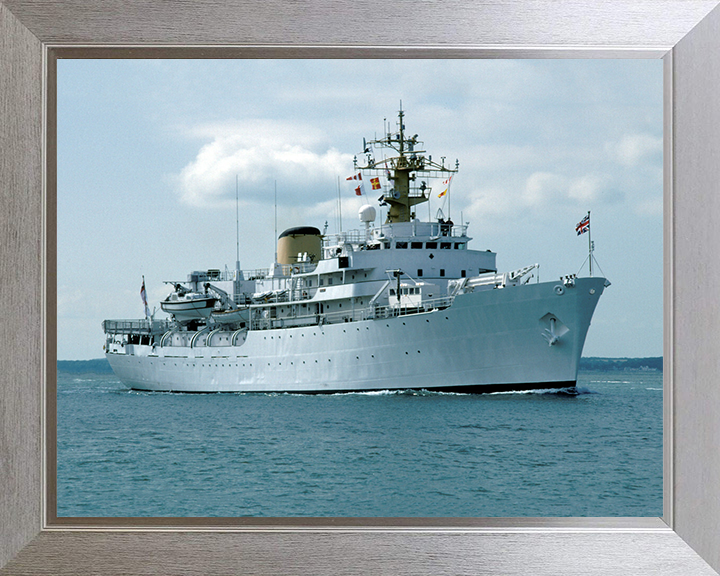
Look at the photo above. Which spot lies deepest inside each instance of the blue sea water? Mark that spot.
(391, 454)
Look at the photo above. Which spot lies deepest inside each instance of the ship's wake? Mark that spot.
(569, 391)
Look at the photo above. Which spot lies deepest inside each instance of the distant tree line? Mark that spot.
(614, 364)
(97, 366)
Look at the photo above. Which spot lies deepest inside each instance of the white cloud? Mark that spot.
(633, 148)
(542, 187)
(488, 203)
(555, 190)
(260, 152)
(587, 188)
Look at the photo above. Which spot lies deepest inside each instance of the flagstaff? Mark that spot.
(590, 244)
(582, 227)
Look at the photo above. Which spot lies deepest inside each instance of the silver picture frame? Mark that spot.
(685, 33)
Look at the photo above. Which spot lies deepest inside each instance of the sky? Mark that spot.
(149, 152)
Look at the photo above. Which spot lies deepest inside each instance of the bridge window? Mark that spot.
(445, 245)
(460, 246)
(431, 245)
(416, 245)
(401, 245)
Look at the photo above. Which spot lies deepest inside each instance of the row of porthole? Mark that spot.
(426, 320)
(315, 333)
(279, 363)
(344, 331)
(358, 329)
(279, 337)
(237, 365)
(210, 365)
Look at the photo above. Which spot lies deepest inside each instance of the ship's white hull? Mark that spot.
(490, 340)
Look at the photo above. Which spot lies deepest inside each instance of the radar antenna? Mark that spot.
(402, 169)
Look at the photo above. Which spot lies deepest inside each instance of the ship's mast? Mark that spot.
(402, 169)
(237, 224)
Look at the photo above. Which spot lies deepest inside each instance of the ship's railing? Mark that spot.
(434, 229)
(459, 231)
(445, 230)
(257, 274)
(357, 315)
(284, 270)
(350, 236)
(136, 326)
(254, 274)
(424, 306)
(311, 319)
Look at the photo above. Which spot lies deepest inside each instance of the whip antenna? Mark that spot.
(237, 222)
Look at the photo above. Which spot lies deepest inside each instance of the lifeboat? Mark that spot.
(229, 317)
(189, 306)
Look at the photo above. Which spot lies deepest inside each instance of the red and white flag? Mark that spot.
(359, 190)
(446, 187)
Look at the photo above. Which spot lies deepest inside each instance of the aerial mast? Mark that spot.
(276, 234)
(402, 170)
(237, 223)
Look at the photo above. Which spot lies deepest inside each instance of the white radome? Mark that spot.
(367, 213)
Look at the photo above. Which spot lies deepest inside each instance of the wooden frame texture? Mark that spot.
(686, 33)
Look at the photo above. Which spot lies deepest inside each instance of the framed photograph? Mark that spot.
(280, 200)
(34, 539)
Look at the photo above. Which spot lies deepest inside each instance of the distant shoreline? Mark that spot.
(96, 366)
(651, 364)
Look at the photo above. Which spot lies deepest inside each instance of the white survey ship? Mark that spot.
(401, 304)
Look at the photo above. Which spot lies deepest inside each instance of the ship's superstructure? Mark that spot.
(400, 304)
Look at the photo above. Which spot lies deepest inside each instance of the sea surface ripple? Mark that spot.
(591, 451)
